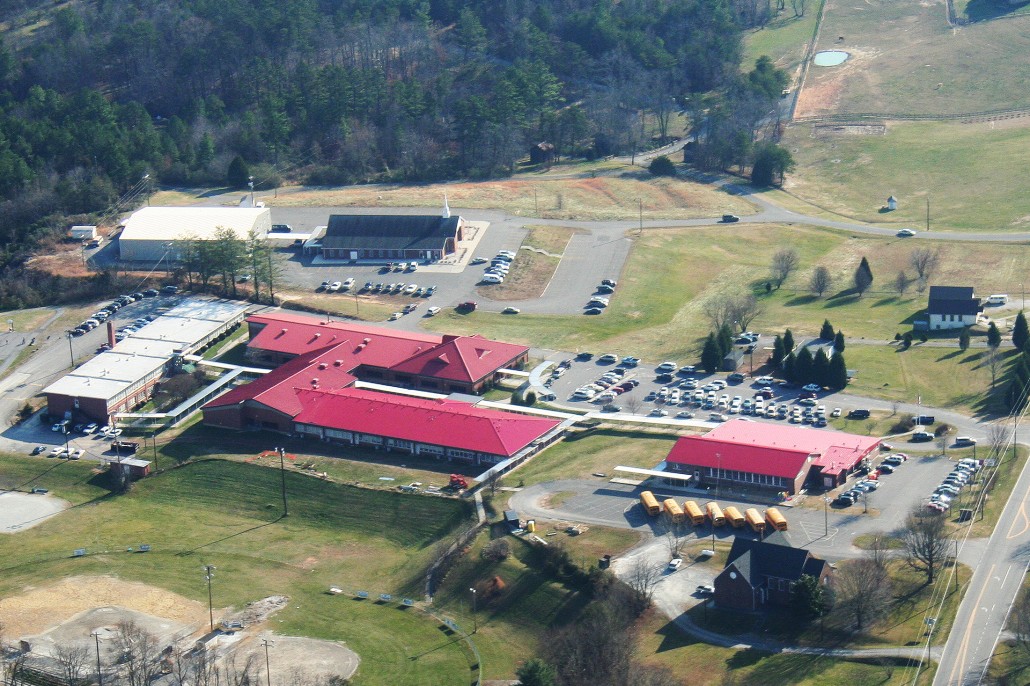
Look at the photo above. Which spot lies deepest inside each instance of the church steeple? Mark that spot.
(446, 207)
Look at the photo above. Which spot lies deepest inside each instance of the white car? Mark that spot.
(432, 311)
(608, 358)
(764, 380)
(76, 454)
(812, 388)
(334, 286)
(666, 367)
(347, 284)
(410, 288)
(659, 412)
(395, 316)
(506, 253)
(493, 278)
(58, 451)
(675, 563)
(89, 428)
(906, 233)
(478, 260)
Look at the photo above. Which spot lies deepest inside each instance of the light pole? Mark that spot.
(268, 670)
(100, 675)
(71, 352)
(826, 516)
(250, 183)
(282, 473)
(475, 624)
(209, 574)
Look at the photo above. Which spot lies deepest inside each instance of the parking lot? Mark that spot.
(814, 523)
(592, 255)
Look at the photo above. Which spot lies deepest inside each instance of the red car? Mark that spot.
(468, 306)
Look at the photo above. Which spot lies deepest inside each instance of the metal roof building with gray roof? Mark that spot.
(382, 237)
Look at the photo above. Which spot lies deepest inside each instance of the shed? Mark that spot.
(541, 153)
(133, 467)
(732, 361)
(892, 203)
(82, 233)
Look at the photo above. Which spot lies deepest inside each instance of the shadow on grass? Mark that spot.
(799, 300)
(949, 356)
(190, 551)
(985, 10)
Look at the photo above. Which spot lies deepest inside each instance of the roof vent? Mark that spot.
(318, 335)
(322, 365)
(361, 346)
(367, 341)
(338, 363)
(314, 382)
(283, 330)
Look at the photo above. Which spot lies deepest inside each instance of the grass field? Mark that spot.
(602, 198)
(227, 514)
(708, 665)
(26, 320)
(785, 39)
(905, 59)
(531, 271)
(971, 172)
(657, 312)
(581, 455)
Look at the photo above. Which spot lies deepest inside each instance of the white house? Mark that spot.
(892, 203)
(952, 307)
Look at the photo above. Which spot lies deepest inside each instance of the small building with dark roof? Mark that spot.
(762, 573)
(419, 238)
(952, 307)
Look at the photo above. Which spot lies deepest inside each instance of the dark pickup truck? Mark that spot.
(124, 446)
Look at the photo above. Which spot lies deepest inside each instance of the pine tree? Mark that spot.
(788, 342)
(238, 175)
(863, 277)
(536, 672)
(821, 368)
(804, 366)
(993, 336)
(777, 351)
(963, 339)
(725, 339)
(838, 342)
(790, 368)
(826, 333)
(711, 357)
(837, 375)
(1020, 332)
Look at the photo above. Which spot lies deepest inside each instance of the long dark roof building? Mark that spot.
(764, 572)
(392, 236)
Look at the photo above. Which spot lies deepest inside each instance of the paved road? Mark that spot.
(997, 580)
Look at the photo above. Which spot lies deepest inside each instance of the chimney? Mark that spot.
(110, 333)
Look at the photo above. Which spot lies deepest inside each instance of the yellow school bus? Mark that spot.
(694, 513)
(650, 503)
(734, 517)
(715, 514)
(755, 520)
(674, 511)
(775, 519)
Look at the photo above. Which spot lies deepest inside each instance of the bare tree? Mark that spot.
(643, 575)
(717, 307)
(894, 407)
(993, 363)
(632, 403)
(998, 436)
(926, 541)
(862, 591)
(879, 551)
(901, 282)
(820, 281)
(72, 660)
(784, 262)
(139, 653)
(673, 536)
(240, 673)
(925, 261)
(744, 309)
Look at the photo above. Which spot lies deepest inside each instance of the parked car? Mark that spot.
(334, 286)
(906, 233)
(593, 310)
(705, 590)
(922, 437)
(630, 361)
(730, 218)
(608, 358)
(812, 388)
(38, 449)
(675, 563)
(858, 414)
(467, 306)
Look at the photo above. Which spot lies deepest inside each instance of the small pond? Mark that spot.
(830, 58)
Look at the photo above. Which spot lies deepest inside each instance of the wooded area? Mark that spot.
(101, 93)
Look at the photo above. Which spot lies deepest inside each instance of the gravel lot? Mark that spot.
(20, 511)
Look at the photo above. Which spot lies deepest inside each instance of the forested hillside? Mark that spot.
(96, 94)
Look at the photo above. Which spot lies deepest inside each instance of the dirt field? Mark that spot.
(41, 608)
(20, 511)
(290, 657)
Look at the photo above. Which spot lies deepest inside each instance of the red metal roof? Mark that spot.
(458, 358)
(461, 358)
(442, 422)
(774, 449)
(325, 368)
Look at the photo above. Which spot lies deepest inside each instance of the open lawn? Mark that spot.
(228, 514)
(905, 59)
(602, 198)
(582, 454)
(706, 665)
(657, 312)
(25, 320)
(364, 307)
(784, 39)
(971, 172)
(531, 270)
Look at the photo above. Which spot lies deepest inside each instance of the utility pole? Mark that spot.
(71, 352)
(268, 670)
(826, 517)
(100, 675)
(209, 574)
(956, 564)
(153, 437)
(927, 211)
(282, 473)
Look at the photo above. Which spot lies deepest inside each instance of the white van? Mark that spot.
(492, 278)
(997, 299)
